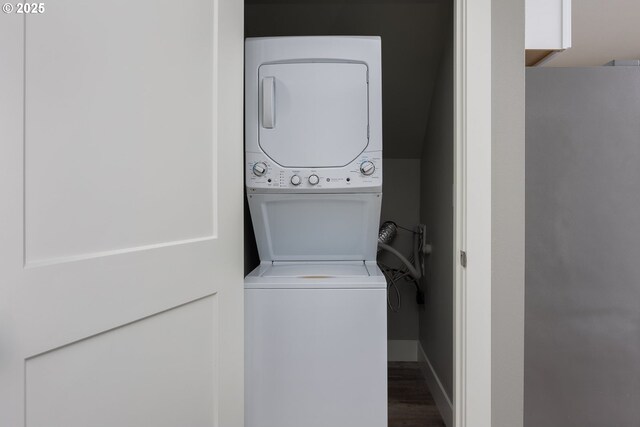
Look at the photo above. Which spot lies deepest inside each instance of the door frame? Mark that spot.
(472, 214)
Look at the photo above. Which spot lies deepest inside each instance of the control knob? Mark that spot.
(295, 180)
(259, 169)
(367, 168)
(313, 179)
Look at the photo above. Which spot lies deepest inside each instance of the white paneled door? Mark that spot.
(121, 214)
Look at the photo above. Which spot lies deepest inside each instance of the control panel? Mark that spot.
(264, 175)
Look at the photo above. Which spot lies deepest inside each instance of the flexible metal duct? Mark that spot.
(387, 233)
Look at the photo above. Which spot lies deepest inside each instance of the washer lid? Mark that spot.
(316, 270)
(313, 114)
(316, 227)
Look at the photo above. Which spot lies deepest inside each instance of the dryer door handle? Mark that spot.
(268, 102)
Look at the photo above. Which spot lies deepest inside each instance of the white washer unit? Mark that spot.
(315, 308)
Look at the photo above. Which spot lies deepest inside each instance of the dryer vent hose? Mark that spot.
(387, 233)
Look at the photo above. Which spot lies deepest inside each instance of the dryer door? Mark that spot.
(313, 114)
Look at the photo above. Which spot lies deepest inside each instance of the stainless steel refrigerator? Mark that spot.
(582, 339)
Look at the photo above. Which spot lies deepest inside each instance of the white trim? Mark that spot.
(566, 24)
(472, 183)
(443, 402)
(402, 350)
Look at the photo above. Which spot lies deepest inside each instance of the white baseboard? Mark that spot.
(435, 387)
(402, 350)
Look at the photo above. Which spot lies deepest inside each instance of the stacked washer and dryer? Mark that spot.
(315, 307)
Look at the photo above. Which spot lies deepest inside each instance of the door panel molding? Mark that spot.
(81, 257)
(154, 351)
(117, 126)
(114, 328)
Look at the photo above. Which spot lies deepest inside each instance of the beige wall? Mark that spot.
(602, 30)
(508, 157)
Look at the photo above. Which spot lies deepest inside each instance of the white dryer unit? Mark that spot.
(313, 114)
(315, 308)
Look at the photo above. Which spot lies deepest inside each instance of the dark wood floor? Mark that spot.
(410, 403)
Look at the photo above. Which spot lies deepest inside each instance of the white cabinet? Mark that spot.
(547, 28)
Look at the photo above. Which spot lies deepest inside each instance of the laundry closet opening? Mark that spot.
(418, 140)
